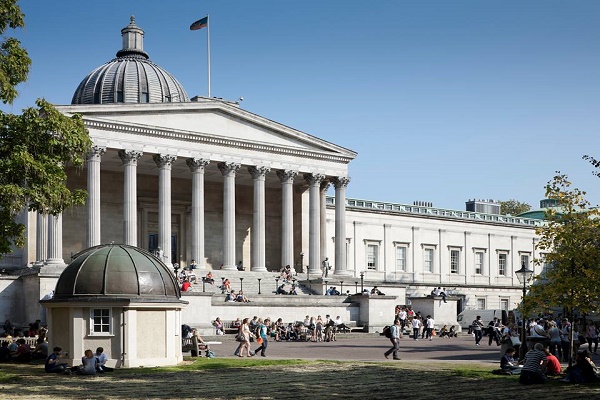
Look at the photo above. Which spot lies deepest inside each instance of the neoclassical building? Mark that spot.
(201, 178)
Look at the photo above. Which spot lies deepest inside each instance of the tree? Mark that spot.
(570, 247)
(513, 207)
(36, 147)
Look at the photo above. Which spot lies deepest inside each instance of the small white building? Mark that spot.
(121, 298)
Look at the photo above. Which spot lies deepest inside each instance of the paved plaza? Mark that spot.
(370, 347)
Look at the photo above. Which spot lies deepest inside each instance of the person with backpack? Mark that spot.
(478, 329)
(394, 336)
(262, 335)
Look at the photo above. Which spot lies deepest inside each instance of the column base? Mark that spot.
(342, 274)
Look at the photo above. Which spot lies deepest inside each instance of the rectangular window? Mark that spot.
(372, 250)
(400, 258)
(479, 262)
(428, 260)
(502, 261)
(525, 260)
(504, 304)
(454, 261)
(100, 321)
(481, 304)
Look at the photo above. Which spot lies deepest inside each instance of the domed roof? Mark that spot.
(130, 78)
(117, 270)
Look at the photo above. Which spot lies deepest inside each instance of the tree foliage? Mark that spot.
(513, 207)
(570, 246)
(36, 146)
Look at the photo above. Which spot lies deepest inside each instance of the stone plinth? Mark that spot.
(443, 313)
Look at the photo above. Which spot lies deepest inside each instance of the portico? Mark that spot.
(237, 180)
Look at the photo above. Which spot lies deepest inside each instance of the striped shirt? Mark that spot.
(533, 360)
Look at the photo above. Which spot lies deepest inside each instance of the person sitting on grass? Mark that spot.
(508, 363)
(5, 355)
(553, 366)
(53, 364)
(101, 359)
(23, 353)
(584, 369)
(89, 363)
(534, 365)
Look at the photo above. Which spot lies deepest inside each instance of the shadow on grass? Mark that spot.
(280, 379)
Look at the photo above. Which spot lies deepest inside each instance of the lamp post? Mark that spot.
(203, 284)
(355, 286)
(241, 284)
(325, 291)
(362, 277)
(276, 284)
(341, 287)
(259, 285)
(222, 285)
(524, 275)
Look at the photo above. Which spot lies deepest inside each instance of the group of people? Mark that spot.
(313, 329)
(539, 363)
(239, 297)
(15, 348)
(91, 363)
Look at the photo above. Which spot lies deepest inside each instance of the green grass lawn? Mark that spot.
(225, 378)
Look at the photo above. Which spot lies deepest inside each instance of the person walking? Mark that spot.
(263, 335)
(416, 324)
(430, 326)
(395, 339)
(478, 329)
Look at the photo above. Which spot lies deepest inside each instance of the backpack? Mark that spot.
(387, 332)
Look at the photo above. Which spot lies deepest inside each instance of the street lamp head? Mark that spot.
(524, 274)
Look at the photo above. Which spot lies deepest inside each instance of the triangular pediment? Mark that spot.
(210, 120)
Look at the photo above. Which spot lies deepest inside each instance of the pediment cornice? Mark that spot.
(216, 140)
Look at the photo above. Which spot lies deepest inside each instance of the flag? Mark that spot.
(201, 23)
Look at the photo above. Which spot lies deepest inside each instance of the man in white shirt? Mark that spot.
(430, 327)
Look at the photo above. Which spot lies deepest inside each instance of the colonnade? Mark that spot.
(49, 235)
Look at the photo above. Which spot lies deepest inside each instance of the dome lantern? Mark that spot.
(130, 78)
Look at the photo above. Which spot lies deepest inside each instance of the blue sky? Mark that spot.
(444, 101)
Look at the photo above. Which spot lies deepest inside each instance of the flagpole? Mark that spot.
(208, 50)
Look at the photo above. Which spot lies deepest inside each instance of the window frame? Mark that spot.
(502, 271)
(108, 323)
(454, 264)
(481, 303)
(404, 246)
(429, 248)
(372, 244)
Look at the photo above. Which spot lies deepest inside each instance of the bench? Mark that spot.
(192, 345)
(229, 328)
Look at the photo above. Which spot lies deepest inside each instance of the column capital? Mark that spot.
(341, 181)
(228, 168)
(258, 172)
(164, 160)
(197, 164)
(130, 157)
(286, 175)
(324, 186)
(314, 179)
(95, 153)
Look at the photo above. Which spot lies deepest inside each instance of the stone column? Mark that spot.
(164, 162)
(341, 263)
(197, 226)
(228, 169)
(314, 231)
(93, 202)
(323, 219)
(55, 240)
(41, 248)
(130, 229)
(258, 224)
(287, 217)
